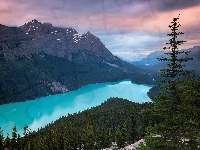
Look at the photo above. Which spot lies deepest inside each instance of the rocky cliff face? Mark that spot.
(35, 37)
(11, 41)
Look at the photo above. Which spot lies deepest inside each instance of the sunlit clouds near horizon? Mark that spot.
(130, 28)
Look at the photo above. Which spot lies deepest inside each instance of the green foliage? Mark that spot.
(175, 114)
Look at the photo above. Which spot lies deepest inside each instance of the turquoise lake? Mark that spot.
(39, 112)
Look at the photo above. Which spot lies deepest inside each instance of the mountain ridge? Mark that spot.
(40, 60)
(152, 63)
(60, 42)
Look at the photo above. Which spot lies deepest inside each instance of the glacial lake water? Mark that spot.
(39, 112)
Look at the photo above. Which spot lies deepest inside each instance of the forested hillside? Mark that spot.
(116, 119)
(42, 74)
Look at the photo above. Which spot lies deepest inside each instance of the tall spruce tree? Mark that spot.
(26, 140)
(176, 123)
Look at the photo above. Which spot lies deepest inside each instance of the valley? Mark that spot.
(40, 60)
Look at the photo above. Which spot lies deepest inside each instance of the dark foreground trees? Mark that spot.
(176, 113)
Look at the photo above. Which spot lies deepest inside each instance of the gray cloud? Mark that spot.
(115, 22)
(171, 5)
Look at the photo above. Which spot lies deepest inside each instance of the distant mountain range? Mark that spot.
(152, 63)
(38, 59)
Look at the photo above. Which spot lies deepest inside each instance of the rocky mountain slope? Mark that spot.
(36, 37)
(38, 59)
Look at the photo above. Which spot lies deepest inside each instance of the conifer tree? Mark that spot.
(88, 134)
(14, 138)
(176, 122)
(7, 142)
(1, 139)
(26, 141)
(18, 142)
(121, 132)
(133, 132)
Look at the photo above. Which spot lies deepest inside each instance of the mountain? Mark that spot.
(35, 37)
(152, 63)
(38, 59)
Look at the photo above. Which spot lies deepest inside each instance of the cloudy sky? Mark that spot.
(129, 28)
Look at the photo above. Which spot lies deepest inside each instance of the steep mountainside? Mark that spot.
(38, 59)
(34, 37)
